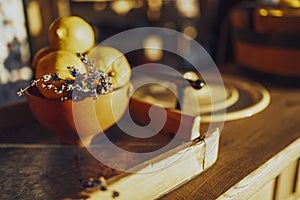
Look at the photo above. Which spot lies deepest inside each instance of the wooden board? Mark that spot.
(46, 169)
(161, 174)
(265, 193)
(285, 181)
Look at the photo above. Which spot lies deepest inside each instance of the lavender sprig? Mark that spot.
(91, 84)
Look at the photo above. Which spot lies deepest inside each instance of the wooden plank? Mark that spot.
(297, 186)
(158, 177)
(294, 197)
(266, 193)
(268, 171)
(285, 181)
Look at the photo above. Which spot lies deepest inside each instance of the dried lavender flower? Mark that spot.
(33, 83)
(47, 86)
(85, 60)
(20, 92)
(91, 84)
(55, 77)
(47, 77)
(103, 188)
(115, 194)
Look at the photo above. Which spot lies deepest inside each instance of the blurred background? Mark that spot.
(260, 36)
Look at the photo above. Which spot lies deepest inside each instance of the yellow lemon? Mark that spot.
(57, 62)
(113, 63)
(71, 33)
(39, 54)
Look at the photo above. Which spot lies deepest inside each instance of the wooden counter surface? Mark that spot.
(253, 151)
(246, 145)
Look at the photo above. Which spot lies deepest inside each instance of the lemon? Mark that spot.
(38, 55)
(113, 63)
(71, 33)
(57, 62)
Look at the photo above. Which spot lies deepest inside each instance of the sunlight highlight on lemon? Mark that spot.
(71, 33)
(113, 63)
(57, 62)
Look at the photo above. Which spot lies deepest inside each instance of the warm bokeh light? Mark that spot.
(291, 3)
(153, 46)
(270, 12)
(188, 8)
(276, 12)
(263, 12)
(63, 8)
(190, 31)
(155, 5)
(34, 18)
(25, 73)
(122, 7)
(99, 6)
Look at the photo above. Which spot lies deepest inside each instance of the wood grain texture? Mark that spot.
(32, 165)
(270, 59)
(274, 24)
(285, 181)
(270, 170)
(154, 178)
(247, 144)
(265, 193)
(297, 186)
(52, 171)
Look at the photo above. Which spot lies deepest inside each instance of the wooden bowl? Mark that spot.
(78, 122)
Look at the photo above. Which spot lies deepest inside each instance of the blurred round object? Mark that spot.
(162, 95)
(25, 73)
(266, 39)
(244, 98)
(71, 33)
(78, 122)
(113, 62)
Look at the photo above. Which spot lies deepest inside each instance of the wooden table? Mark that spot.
(257, 154)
